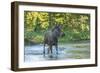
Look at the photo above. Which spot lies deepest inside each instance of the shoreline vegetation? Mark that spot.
(29, 42)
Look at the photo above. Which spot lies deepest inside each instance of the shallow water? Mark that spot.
(65, 51)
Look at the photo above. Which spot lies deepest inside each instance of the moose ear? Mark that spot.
(60, 26)
(56, 25)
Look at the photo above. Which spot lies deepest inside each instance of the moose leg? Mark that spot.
(51, 48)
(48, 49)
(56, 48)
(44, 49)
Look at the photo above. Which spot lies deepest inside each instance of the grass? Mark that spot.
(79, 54)
(81, 46)
(76, 57)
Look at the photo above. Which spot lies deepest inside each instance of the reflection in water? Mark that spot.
(69, 51)
(51, 56)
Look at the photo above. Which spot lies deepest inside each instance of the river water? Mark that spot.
(65, 51)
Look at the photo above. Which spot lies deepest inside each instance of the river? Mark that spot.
(65, 51)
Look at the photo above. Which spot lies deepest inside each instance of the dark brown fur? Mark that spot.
(51, 38)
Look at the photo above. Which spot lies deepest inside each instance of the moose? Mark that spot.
(51, 38)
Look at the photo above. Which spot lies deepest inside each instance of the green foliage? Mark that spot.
(76, 26)
(38, 39)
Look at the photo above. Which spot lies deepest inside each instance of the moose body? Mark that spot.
(51, 38)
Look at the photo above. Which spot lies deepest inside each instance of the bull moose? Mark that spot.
(51, 38)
